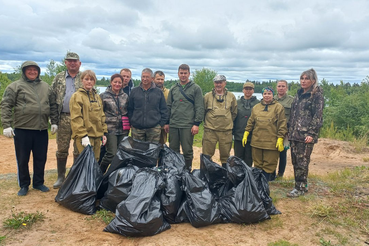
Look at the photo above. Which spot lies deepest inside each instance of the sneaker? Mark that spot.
(23, 191)
(295, 193)
(42, 188)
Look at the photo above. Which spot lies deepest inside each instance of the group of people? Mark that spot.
(150, 111)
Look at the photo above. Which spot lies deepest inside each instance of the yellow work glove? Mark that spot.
(280, 145)
(244, 139)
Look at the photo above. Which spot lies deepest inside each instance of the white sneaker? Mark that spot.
(295, 193)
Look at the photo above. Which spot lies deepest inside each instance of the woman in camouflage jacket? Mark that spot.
(115, 103)
(305, 121)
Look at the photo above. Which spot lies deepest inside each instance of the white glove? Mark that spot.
(54, 128)
(8, 132)
(85, 141)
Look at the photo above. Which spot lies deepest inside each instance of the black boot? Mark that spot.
(61, 163)
(188, 164)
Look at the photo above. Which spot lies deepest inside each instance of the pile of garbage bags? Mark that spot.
(148, 195)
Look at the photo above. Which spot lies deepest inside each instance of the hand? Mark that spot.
(54, 128)
(166, 128)
(194, 130)
(85, 141)
(308, 139)
(8, 132)
(104, 140)
(279, 145)
(244, 139)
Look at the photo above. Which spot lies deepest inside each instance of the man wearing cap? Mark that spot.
(159, 78)
(26, 105)
(244, 107)
(64, 85)
(220, 112)
(186, 112)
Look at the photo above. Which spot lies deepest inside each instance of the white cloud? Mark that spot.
(241, 39)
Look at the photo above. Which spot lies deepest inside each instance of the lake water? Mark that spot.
(238, 95)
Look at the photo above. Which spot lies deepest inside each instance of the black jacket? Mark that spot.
(147, 108)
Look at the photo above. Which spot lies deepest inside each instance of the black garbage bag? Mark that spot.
(264, 192)
(78, 192)
(120, 184)
(200, 206)
(139, 153)
(131, 151)
(140, 215)
(242, 204)
(171, 196)
(215, 175)
(171, 161)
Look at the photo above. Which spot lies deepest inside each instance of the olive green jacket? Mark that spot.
(219, 116)
(267, 123)
(27, 104)
(286, 102)
(182, 113)
(244, 107)
(86, 114)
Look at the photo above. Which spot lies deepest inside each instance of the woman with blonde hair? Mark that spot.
(87, 115)
(306, 119)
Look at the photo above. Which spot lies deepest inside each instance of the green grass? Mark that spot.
(103, 215)
(282, 243)
(23, 220)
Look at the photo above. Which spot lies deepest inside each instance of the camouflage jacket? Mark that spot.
(58, 89)
(114, 109)
(306, 117)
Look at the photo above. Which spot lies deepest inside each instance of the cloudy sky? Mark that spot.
(242, 39)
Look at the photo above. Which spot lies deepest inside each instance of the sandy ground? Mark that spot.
(64, 227)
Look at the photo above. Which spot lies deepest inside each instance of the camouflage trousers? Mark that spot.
(300, 155)
(147, 135)
(63, 137)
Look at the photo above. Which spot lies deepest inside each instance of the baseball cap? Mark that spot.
(248, 84)
(71, 56)
(219, 78)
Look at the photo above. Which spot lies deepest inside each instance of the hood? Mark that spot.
(27, 64)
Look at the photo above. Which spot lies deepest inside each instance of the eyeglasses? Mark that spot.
(248, 88)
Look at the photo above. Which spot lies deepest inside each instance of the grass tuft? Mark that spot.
(23, 220)
(104, 216)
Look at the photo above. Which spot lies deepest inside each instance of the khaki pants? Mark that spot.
(265, 159)
(95, 144)
(210, 140)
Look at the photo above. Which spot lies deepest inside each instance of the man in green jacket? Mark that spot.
(186, 112)
(220, 112)
(244, 107)
(286, 100)
(64, 85)
(26, 105)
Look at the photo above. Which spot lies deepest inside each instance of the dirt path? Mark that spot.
(64, 227)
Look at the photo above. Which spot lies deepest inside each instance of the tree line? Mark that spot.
(346, 111)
